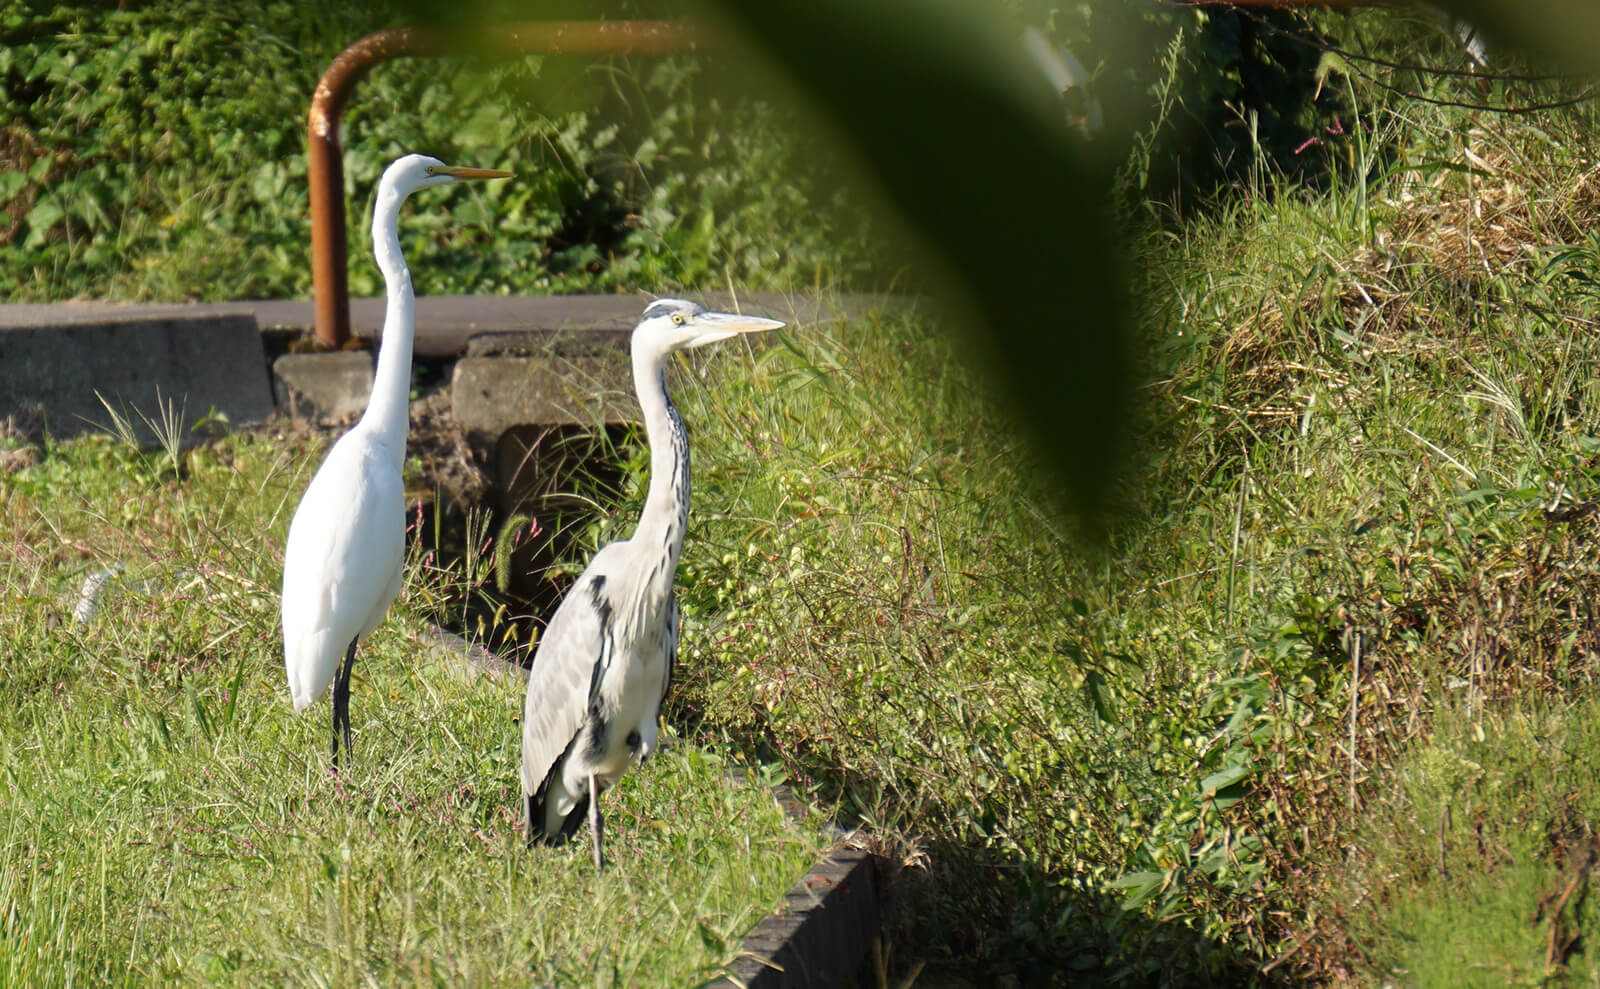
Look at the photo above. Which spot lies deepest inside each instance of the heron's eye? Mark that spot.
(677, 319)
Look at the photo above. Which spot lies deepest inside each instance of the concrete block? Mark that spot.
(194, 365)
(490, 395)
(819, 935)
(593, 342)
(332, 387)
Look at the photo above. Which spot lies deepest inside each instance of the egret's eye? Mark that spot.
(677, 319)
(432, 170)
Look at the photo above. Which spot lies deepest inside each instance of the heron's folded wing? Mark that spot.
(577, 639)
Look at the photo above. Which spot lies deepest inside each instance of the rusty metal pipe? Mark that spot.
(325, 168)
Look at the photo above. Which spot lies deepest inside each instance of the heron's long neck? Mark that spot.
(666, 506)
(388, 411)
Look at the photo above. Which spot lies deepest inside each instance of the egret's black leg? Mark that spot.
(341, 702)
(527, 817)
(597, 822)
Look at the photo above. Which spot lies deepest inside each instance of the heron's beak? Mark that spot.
(472, 173)
(716, 326)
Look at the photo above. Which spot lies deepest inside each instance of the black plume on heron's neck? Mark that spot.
(666, 506)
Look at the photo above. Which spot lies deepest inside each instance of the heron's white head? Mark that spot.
(673, 324)
(412, 172)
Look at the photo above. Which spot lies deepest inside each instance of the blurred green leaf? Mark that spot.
(1140, 887)
(46, 213)
(1223, 779)
(11, 183)
(935, 105)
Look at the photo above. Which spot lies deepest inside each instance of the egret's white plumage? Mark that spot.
(605, 660)
(341, 565)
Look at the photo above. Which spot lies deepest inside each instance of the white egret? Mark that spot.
(605, 660)
(341, 566)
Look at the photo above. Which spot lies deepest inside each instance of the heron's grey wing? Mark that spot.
(572, 652)
(674, 625)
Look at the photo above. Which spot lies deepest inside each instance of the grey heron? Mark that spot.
(341, 565)
(605, 660)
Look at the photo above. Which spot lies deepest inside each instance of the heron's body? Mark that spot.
(608, 707)
(605, 661)
(342, 561)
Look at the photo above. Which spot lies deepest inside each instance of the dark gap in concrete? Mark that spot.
(563, 478)
(275, 343)
(429, 373)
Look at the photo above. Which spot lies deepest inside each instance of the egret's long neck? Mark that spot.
(666, 506)
(388, 411)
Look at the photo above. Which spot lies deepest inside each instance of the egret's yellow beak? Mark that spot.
(471, 173)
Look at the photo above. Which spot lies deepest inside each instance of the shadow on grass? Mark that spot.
(977, 917)
(966, 913)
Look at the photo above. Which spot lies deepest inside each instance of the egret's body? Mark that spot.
(341, 565)
(605, 660)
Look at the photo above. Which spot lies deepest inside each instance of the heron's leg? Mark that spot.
(341, 702)
(527, 817)
(597, 822)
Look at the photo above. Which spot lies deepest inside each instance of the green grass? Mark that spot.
(1318, 709)
(167, 817)
(1479, 852)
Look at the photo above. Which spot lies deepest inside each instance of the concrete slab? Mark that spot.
(446, 322)
(490, 395)
(190, 364)
(33, 315)
(593, 341)
(331, 387)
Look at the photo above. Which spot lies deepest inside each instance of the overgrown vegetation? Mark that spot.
(158, 152)
(1366, 505)
(1320, 710)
